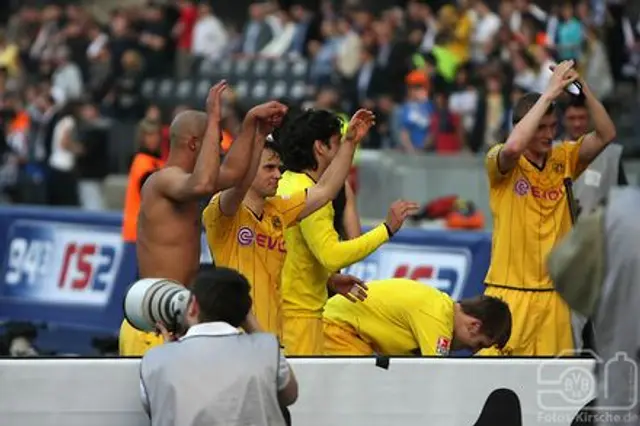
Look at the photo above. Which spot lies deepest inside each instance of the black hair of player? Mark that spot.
(494, 314)
(222, 294)
(524, 105)
(299, 136)
(293, 111)
(576, 102)
(274, 147)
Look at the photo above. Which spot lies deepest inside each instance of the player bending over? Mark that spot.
(406, 317)
(245, 224)
(531, 214)
(168, 241)
(314, 250)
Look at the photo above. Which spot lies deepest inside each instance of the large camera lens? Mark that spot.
(153, 300)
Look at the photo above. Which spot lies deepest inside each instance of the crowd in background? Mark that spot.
(440, 79)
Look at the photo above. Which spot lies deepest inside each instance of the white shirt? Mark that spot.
(62, 159)
(209, 38)
(485, 30)
(68, 80)
(223, 329)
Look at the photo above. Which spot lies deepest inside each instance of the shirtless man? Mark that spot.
(168, 244)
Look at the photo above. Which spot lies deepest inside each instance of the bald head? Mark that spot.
(187, 125)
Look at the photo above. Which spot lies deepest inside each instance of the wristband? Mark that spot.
(389, 231)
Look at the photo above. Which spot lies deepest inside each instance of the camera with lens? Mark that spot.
(152, 300)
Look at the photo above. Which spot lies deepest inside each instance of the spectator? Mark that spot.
(486, 27)
(154, 39)
(67, 78)
(258, 32)
(446, 133)
(9, 56)
(183, 32)
(209, 34)
(570, 35)
(415, 114)
(65, 149)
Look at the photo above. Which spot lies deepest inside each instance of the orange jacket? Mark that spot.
(142, 166)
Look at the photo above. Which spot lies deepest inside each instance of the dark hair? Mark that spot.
(299, 136)
(273, 146)
(576, 102)
(494, 314)
(222, 295)
(524, 105)
(293, 111)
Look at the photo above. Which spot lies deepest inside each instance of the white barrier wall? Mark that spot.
(333, 391)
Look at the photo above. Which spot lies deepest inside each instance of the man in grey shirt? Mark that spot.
(216, 375)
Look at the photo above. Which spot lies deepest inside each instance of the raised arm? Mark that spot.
(333, 179)
(259, 122)
(604, 130)
(180, 186)
(525, 129)
(351, 218)
(236, 165)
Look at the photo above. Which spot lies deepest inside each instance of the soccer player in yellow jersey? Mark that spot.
(245, 224)
(314, 249)
(531, 214)
(406, 317)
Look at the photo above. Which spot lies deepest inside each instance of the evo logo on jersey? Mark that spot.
(522, 187)
(246, 237)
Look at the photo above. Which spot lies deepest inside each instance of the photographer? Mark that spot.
(215, 374)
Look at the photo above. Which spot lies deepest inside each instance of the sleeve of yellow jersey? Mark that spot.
(216, 224)
(323, 241)
(572, 148)
(427, 331)
(491, 164)
(290, 206)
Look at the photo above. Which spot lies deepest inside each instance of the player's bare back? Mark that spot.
(168, 243)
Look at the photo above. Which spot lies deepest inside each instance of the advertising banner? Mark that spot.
(454, 262)
(71, 268)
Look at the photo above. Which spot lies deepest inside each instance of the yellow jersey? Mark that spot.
(255, 247)
(530, 215)
(398, 317)
(315, 252)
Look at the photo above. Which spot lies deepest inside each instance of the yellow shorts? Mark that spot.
(541, 323)
(133, 342)
(302, 336)
(341, 341)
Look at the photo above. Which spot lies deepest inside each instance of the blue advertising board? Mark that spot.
(70, 269)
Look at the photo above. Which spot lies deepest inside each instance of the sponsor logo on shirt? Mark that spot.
(521, 187)
(443, 346)
(245, 236)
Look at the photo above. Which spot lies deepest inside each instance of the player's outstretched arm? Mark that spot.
(333, 179)
(604, 130)
(323, 240)
(351, 218)
(179, 186)
(525, 129)
(259, 122)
